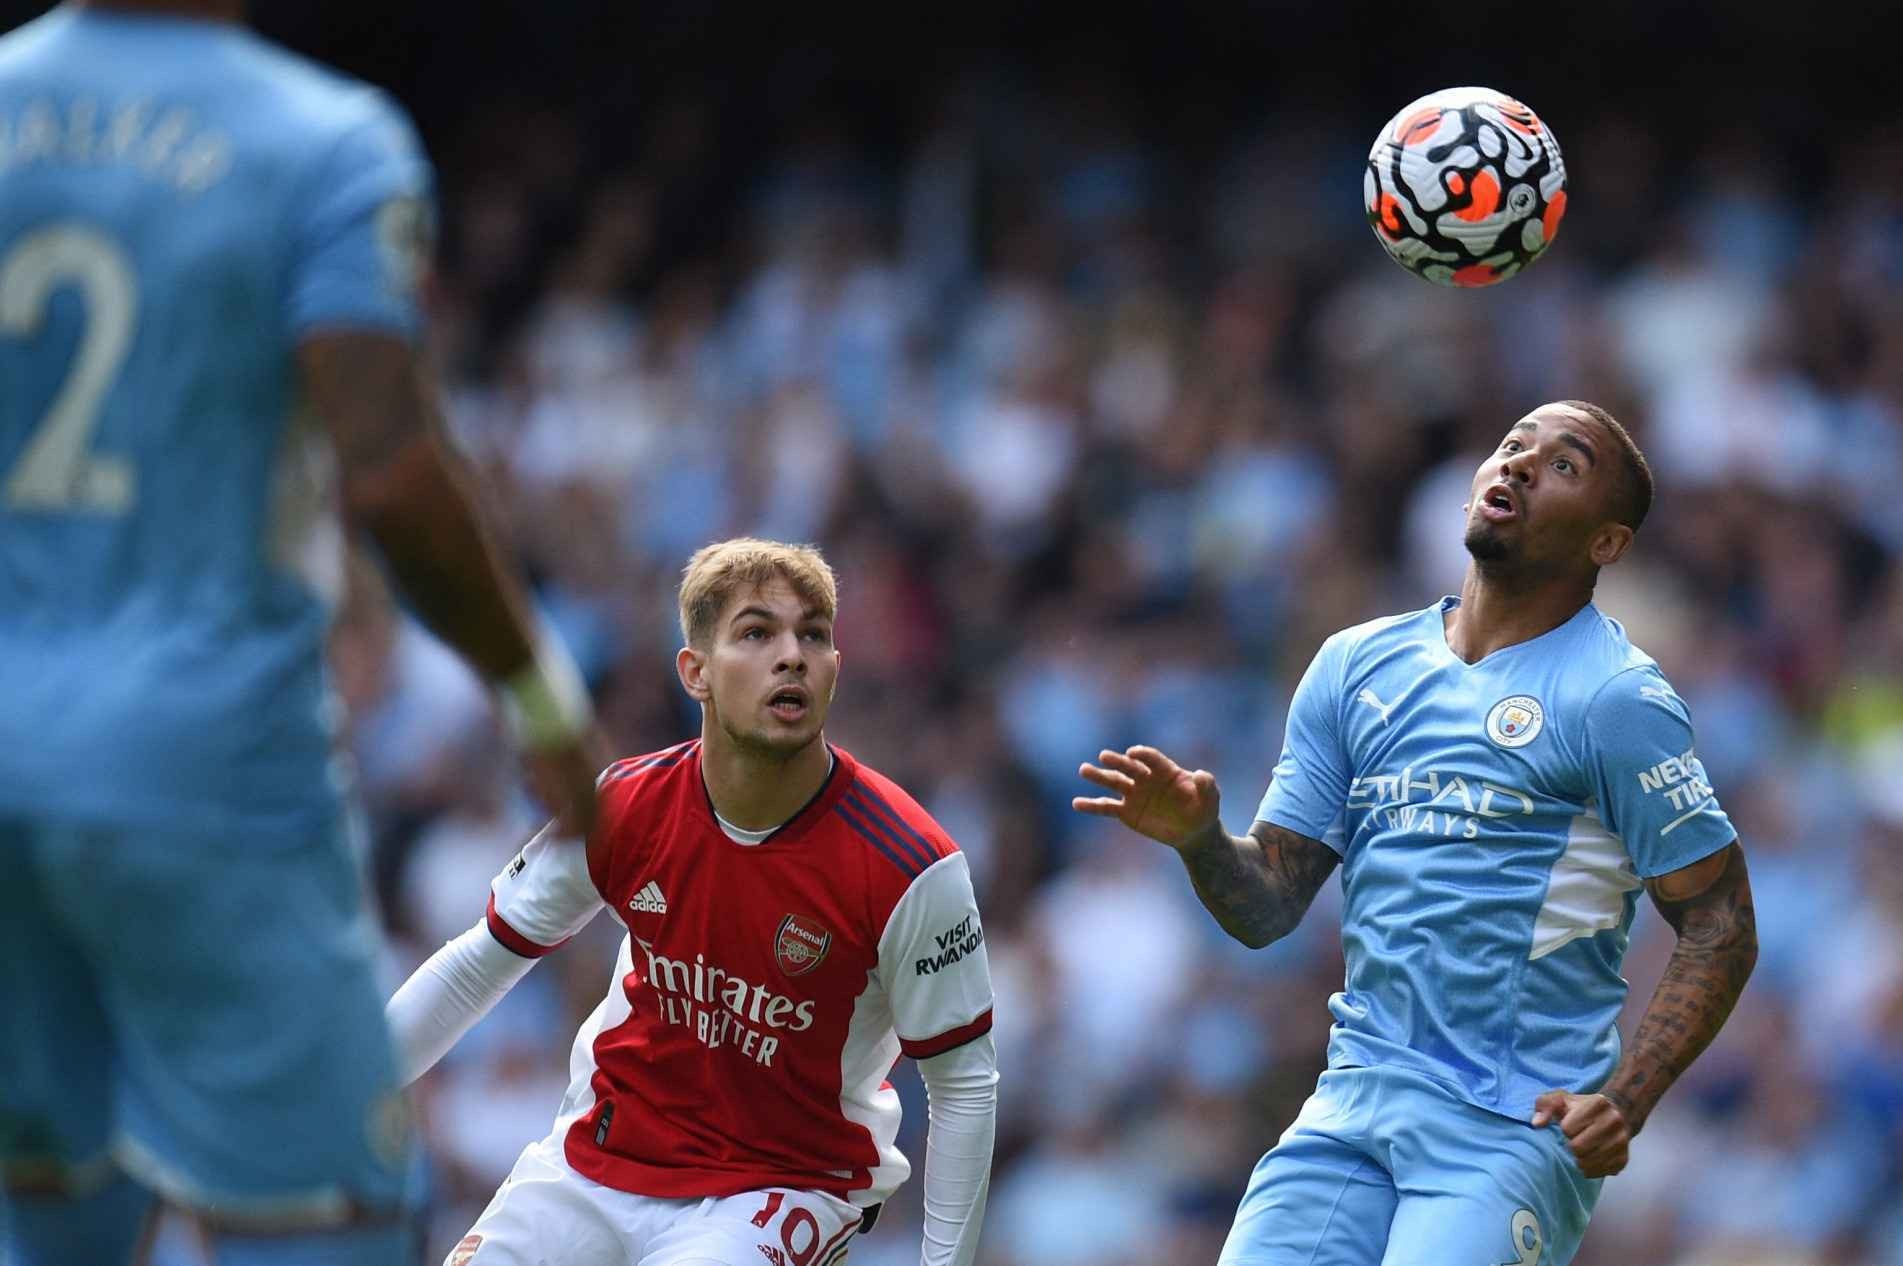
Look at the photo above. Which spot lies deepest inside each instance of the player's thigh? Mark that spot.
(1315, 1200)
(56, 1045)
(545, 1214)
(1487, 1190)
(776, 1226)
(255, 1071)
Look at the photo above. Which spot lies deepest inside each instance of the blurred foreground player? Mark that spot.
(795, 921)
(1498, 776)
(200, 236)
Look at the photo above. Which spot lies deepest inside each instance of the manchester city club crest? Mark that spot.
(800, 944)
(1515, 721)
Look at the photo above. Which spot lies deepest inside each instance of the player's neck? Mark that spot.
(756, 792)
(1496, 612)
(209, 10)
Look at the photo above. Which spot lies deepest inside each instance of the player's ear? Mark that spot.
(1609, 544)
(691, 665)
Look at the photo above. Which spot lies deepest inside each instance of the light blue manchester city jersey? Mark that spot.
(181, 202)
(1494, 821)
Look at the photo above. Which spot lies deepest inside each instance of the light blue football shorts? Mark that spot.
(1386, 1167)
(200, 1011)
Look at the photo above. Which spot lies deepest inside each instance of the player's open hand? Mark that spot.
(1594, 1126)
(1151, 794)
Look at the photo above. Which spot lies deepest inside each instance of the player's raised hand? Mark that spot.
(1594, 1126)
(1151, 794)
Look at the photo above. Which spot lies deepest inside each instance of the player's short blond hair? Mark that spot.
(719, 571)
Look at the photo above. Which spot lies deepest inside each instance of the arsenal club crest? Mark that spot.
(800, 944)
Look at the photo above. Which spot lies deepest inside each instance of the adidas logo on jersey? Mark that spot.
(649, 900)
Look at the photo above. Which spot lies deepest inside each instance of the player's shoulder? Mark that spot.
(1379, 634)
(318, 103)
(1612, 677)
(875, 813)
(635, 777)
(632, 796)
(1603, 657)
(217, 67)
(25, 44)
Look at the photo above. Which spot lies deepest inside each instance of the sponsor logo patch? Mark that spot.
(464, 1250)
(1515, 721)
(801, 944)
(952, 946)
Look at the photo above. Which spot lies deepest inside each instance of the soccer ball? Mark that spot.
(1465, 187)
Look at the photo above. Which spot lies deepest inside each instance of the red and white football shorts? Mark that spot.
(546, 1214)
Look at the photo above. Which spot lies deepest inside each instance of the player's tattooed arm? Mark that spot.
(1259, 885)
(1709, 905)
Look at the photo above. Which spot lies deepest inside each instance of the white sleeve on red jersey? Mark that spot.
(543, 896)
(962, 1101)
(443, 999)
(932, 962)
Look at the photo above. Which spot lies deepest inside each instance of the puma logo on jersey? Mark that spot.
(649, 900)
(1373, 700)
(1655, 692)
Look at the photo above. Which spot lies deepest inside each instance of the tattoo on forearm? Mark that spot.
(1717, 947)
(1259, 886)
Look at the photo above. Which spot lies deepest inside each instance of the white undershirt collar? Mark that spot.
(740, 834)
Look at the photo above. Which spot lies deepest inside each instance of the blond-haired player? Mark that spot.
(794, 923)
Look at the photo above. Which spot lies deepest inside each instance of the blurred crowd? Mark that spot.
(1103, 438)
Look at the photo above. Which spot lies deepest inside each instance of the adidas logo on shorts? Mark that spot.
(649, 900)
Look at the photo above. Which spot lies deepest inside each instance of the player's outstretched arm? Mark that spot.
(543, 896)
(445, 997)
(405, 486)
(1258, 885)
(1709, 905)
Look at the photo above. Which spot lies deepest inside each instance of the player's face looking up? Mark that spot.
(767, 674)
(1548, 497)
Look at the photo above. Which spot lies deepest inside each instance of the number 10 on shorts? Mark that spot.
(800, 1236)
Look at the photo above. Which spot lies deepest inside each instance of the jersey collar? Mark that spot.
(839, 779)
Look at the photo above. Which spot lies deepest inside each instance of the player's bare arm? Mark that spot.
(1709, 906)
(404, 485)
(401, 483)
(1257, 885)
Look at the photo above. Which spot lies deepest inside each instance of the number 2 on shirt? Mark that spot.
(56, 471)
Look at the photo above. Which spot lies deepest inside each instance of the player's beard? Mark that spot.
(1488, 547)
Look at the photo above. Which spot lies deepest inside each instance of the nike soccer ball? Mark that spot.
(1465, 187)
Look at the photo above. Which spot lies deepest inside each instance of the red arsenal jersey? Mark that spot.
(764, 990)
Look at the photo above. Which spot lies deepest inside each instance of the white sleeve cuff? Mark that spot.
(443, 999)
(961, 1086)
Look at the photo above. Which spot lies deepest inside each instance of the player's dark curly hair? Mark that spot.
(1635, 474)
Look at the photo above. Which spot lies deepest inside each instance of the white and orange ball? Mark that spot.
(1465, 187)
